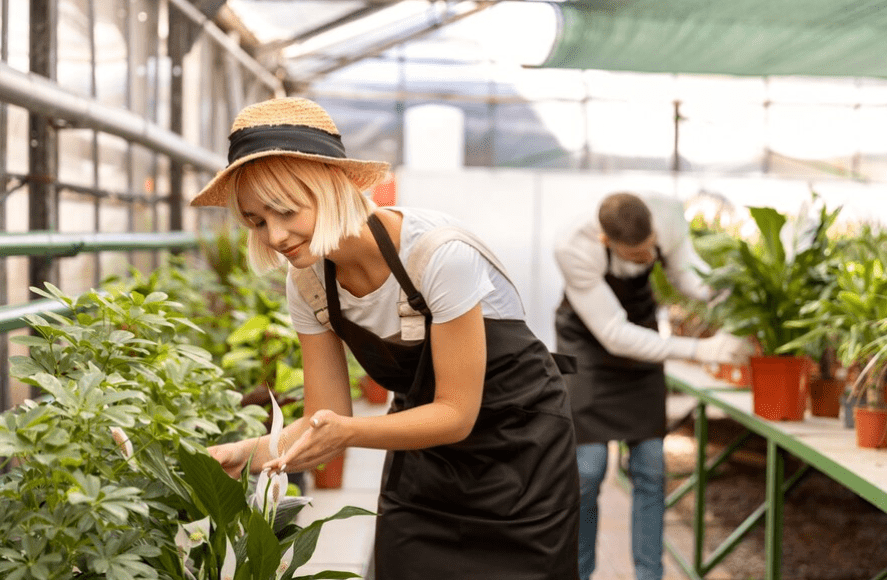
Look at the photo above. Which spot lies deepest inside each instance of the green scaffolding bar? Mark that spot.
(62, 244)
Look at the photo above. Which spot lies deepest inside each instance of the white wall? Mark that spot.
(519, 213)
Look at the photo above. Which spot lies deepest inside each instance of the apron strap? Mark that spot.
(431, 240)
(312, 292)
(389, 252)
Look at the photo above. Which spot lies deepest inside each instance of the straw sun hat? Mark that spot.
(291, 127)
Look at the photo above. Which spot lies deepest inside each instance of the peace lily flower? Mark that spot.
(285, 561)
(192, 535)
(270, 489)
(122, 441)
(229, 565)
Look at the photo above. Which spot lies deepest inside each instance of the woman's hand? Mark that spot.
(233, 456)
(325, 438)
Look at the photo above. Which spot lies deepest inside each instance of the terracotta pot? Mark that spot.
(779, 387)
(871, 427)
(825, 397)
(373, 391)
(735, 374)
(329, 476)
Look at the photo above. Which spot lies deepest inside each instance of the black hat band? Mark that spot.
(297, 138)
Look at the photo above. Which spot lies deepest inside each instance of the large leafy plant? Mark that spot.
(106, 468)
(854, 315)
(767, 283)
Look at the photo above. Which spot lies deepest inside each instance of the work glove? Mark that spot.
(723, 348)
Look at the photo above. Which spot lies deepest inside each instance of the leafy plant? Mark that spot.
(104, 468)
(854, 315)
(767, 284)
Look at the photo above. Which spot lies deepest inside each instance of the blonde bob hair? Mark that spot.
(291, 184)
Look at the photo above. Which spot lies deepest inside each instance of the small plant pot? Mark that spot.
(738, 375)
(329, 475)
(825, 397)
(373, 391)
(871, 427)
(779, 387)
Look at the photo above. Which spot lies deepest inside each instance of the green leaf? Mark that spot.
(29, 341)
(262, 548)
(249, 331)
(770, 224)
(221, 496)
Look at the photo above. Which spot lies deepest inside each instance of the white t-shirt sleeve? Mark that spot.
(582, 259)
(301, 313)
(455, 281)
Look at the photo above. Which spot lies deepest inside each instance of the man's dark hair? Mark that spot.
(625, 218)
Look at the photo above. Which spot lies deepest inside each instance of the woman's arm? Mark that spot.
(326, 387)
(459, 357)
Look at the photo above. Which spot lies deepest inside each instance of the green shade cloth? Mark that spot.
(732, 37)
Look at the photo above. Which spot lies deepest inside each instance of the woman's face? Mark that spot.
(285, 231)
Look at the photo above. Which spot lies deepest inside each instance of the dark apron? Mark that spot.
(503, 503)
(614, 398)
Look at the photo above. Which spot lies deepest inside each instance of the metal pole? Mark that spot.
(176, 46)
(96, 203)
(676, 159)
(4, 295)
(65, 244)
(43, 97)
(188, 10)
(129, 27)
(42, 136)
(701, 481)
(773, 519)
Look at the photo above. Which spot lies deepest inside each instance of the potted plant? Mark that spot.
(766, 284)
(862, 314)
(870, 392)
(851, 317)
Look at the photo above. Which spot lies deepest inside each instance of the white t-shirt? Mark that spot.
(582, 259)
(456, 279)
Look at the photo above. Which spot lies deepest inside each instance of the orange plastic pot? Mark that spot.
(373, 391)
(825, 397)
(329, 475)
(735, 374)
(871, 427)
(779, 387)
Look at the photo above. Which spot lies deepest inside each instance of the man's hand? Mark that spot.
(723, 348)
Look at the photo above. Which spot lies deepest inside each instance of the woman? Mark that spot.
(480, 480)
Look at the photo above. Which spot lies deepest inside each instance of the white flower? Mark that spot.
(276, 427)
(229, 566)
(192, 535)
(122, 441)
(285, 561)
(270, 490)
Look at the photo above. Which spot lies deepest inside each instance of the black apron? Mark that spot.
(614, 398)
(503, 503)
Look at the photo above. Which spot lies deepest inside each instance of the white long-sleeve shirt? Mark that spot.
(582, 259)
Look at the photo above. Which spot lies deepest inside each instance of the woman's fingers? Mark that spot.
(312, 447)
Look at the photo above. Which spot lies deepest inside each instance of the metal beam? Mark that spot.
(40, 95)
(277, 45)
(71, 244)
(301, 84)
(214, 32)
(11, 317)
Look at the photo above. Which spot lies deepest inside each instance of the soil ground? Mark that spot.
(829, 532)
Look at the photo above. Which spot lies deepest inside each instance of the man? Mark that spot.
(607, 319)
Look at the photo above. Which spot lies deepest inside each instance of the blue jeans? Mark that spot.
(646, 466)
